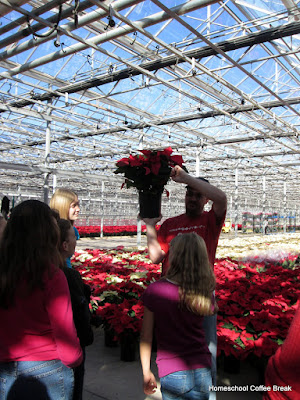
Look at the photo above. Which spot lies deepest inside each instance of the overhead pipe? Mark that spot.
(206, 51)
(5, 9)
(21, 34)
(103, 37)
(66, 29)
(254, 155)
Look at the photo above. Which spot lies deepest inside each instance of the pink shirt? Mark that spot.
(283, 368)
(40, 326)
(205, 225)
(181, 343)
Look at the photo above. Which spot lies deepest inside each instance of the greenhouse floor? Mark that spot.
(108, 378)
(109, 242)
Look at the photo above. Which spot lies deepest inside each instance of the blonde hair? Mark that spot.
(191, 269)
(61, 201)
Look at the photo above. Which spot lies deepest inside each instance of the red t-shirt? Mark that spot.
(205, 225)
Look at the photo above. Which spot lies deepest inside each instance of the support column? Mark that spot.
(236, 194)
(231, 214)
(284, 206)
(198, 162)
(54, 183)
(264, 205)
(47, 155)
(102, 208)
(139, 221)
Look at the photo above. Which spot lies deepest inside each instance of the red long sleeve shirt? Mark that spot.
(40, 326)
(283, 370)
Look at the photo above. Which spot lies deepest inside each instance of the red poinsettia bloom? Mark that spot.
(135, 161)
(149, 171)
(123, 162)
(166, 152)
(176, 160)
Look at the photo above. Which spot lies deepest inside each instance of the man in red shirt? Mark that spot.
(208, 225)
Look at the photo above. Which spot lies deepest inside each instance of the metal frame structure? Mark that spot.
(84, 83)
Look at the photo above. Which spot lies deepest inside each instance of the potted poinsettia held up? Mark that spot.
(149, 172)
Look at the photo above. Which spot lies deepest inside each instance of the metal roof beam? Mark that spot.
(167, 121)
(206, 51)
(21, 34)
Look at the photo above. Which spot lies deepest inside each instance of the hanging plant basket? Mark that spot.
(150, 204)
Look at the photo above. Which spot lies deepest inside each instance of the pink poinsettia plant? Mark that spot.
(150, 170)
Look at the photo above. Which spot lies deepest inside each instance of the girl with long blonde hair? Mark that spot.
(66, 203)
(175, 307)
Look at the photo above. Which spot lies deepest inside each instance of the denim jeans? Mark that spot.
(210, 329)
(193, 385)
(42, 380)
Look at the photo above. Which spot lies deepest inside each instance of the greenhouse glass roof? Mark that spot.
(84, 83)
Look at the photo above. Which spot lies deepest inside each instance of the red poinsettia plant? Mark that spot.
(149, 171)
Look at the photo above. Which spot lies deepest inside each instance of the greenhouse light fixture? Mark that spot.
(111, 21)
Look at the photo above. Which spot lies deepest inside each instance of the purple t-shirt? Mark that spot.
(181, 343)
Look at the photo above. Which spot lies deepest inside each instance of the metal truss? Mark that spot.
(83, 83)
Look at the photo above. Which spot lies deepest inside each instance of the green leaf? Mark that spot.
(228, 325)
(240, 343)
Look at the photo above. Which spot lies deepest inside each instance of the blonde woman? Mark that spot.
(66, 203)
(175, 306)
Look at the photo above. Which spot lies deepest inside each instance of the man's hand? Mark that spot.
(152, 221)
(178, 174)
(155, 252)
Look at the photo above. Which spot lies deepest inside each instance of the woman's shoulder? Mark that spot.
(54, 276)
(161, 285)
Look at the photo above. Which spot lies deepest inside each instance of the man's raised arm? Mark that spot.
(217, 196)
(156, 254)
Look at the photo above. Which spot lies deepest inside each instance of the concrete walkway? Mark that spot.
(108, 378)
(109, 242)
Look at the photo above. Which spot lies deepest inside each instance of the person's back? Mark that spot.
(37, 335)
(179, 332)
(28, 334)
(175, 307)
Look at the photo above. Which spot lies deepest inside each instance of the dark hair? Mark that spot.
(64, 227)
(28, 250)
(5, 206)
